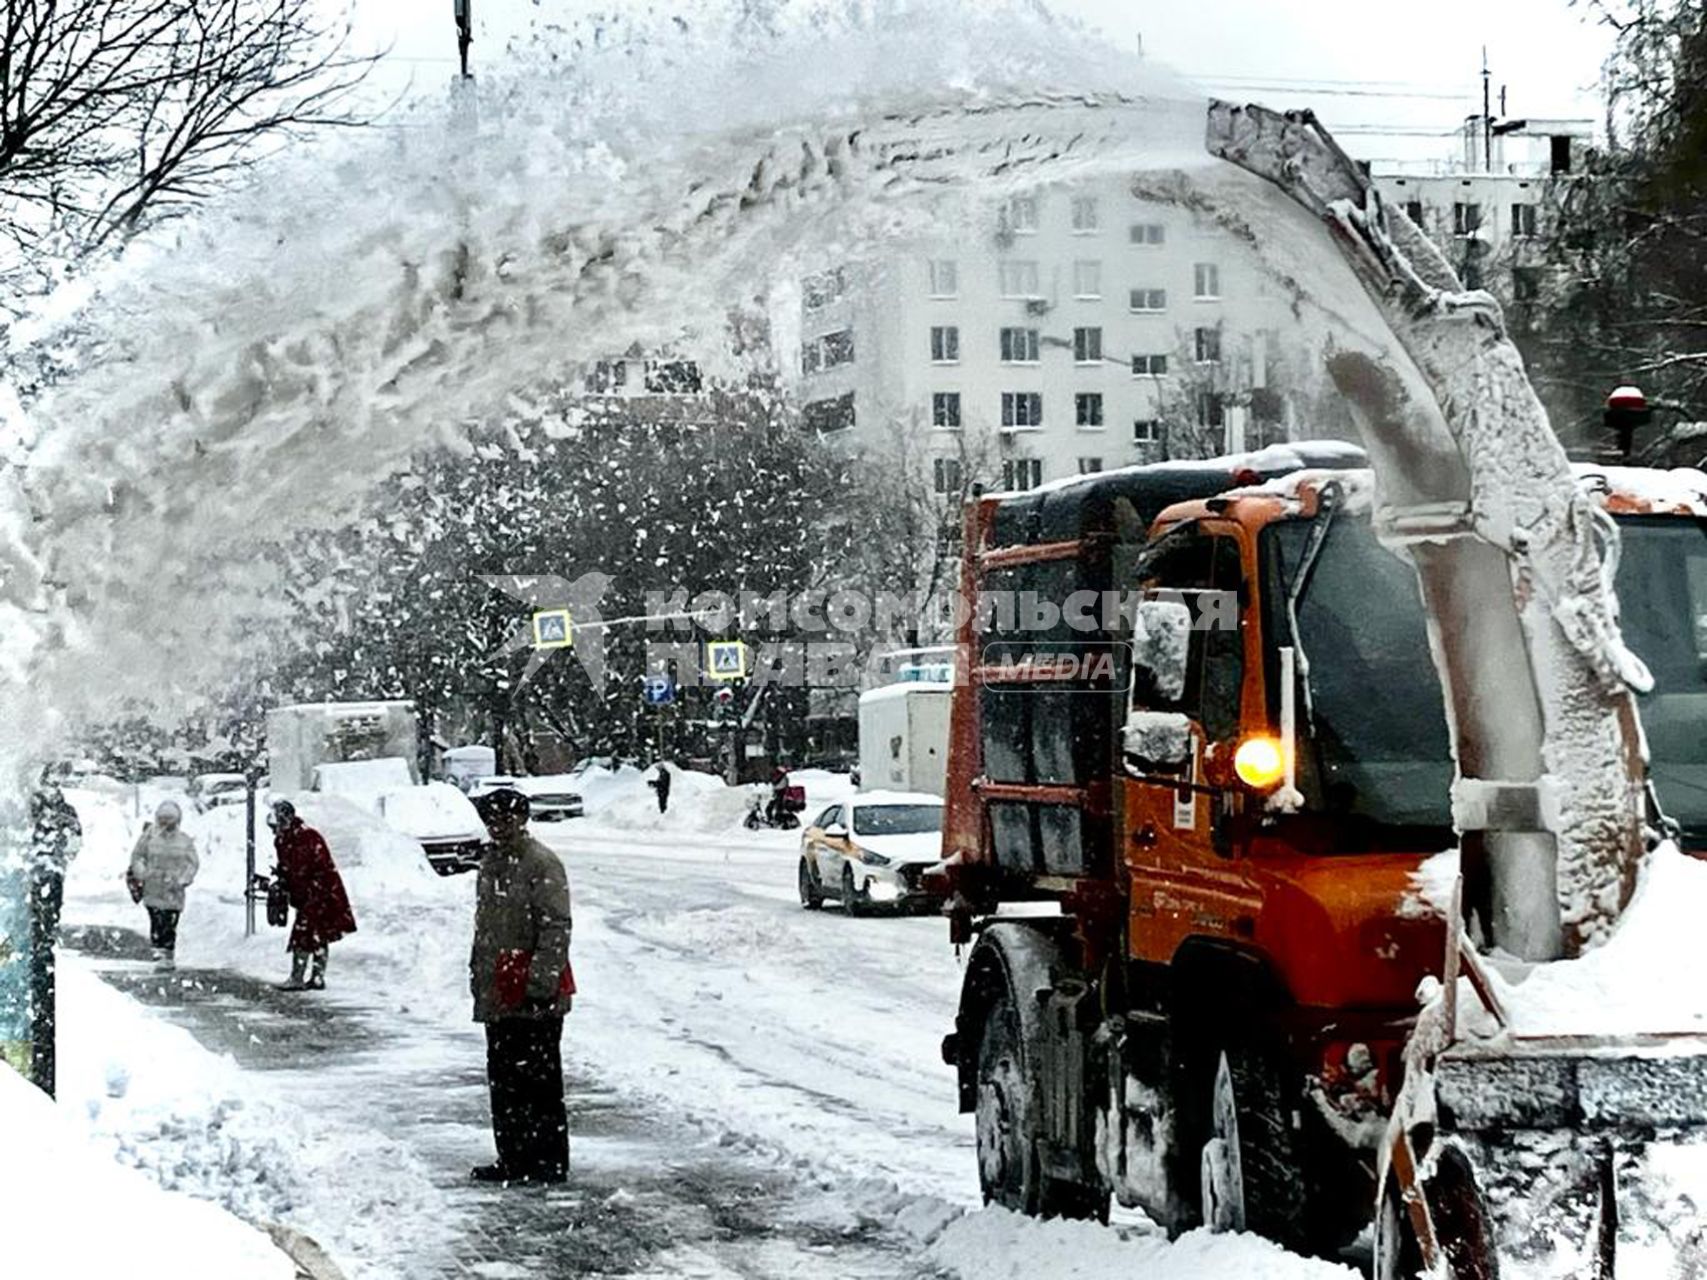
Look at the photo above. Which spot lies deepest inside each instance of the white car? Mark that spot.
(549, 799)
(442, 819)
(872, 850)
(210, 790)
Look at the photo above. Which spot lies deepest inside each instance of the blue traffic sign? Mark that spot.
(659, 691)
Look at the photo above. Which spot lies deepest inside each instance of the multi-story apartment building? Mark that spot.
(1493, 206)
(1075, 328)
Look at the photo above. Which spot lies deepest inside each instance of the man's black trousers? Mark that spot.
(524, 1070)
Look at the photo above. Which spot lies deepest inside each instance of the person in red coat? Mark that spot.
(313, 886)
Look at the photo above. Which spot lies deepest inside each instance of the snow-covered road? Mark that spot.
(755, 1090)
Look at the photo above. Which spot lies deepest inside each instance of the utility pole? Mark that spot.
(464, 33)
(1487, 116)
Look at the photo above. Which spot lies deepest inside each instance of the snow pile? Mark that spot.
(1636, 982)
(699, 802)
(88, 1216)
(150, 1096)
(995, 1244)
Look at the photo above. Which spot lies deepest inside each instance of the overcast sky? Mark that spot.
(1269, 50)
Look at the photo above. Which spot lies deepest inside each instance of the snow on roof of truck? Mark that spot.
(1681, 487)
(1128, 499)
(1277, 458)
(899, 690)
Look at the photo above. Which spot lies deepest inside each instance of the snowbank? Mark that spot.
(700, 803)
(994, 1244)
(88, 1216)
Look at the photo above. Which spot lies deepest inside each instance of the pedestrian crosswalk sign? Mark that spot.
(726, 660)
(552, 629)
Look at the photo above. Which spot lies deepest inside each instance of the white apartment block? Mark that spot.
(1077, 329)
(1491, 208)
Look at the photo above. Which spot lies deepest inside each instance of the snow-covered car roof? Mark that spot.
(871, 799)
(545, 784)
(432, 810)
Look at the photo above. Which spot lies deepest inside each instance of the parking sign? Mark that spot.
(726, 660)
(659, 691)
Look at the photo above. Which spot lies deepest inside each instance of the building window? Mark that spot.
(1466, 218)
(1087, 409)
(1022, 410)
(945, 344)
(1207, 281)
(824, 288)
(1148, 233)
(822, 416)
(1523, 220)
(672, 377)
(1087, 279)
(1017, 278)
(945, 278)
(1087, 215)
(1087, 345)
(1559, 153)
(1414, 211)
(1019, 217)
(1022, 473)
(1148, 300)
(827, 352)
(1089, 466)
(1146, 431)
(945, 410)
(607, 377)
(1207, 345)
(1019, 346)
(1149, 366)
(946, 477)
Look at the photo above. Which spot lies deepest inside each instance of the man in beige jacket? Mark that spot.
(522, 985)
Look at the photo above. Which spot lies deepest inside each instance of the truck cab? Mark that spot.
(1228, 812)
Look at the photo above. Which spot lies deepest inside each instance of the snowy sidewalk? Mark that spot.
(644, 1199)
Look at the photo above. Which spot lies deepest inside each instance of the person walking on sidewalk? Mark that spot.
(162, 866)
(314, 888)
(661, 784)
(522, 985)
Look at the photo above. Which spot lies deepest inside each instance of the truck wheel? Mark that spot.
(1007, 1157)
(811, 897)
(1253, 1178)
(1008, 1113)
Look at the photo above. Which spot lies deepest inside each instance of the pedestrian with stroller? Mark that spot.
(523, 986)
(661, 784)
(315, 890)
(163, 865)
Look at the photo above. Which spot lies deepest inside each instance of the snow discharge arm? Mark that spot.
(1511, 557)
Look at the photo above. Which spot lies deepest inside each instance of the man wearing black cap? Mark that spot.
(522, 985)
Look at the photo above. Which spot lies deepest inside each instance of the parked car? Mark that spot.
(442, 819)
(210, 790)
(872, 851)
(549, 799)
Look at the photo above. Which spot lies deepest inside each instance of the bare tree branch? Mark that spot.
(117, 112)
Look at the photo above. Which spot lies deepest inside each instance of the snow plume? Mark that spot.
(621, 181)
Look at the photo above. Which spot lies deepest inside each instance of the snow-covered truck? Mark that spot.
(903, 736)
(1214, 803)
(300, 738)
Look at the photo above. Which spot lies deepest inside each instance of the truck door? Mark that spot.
(1180, 884)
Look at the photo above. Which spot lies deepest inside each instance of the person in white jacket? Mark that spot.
(162, 866)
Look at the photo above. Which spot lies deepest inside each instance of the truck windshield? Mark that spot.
(1662, 594)
(1378, 755)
